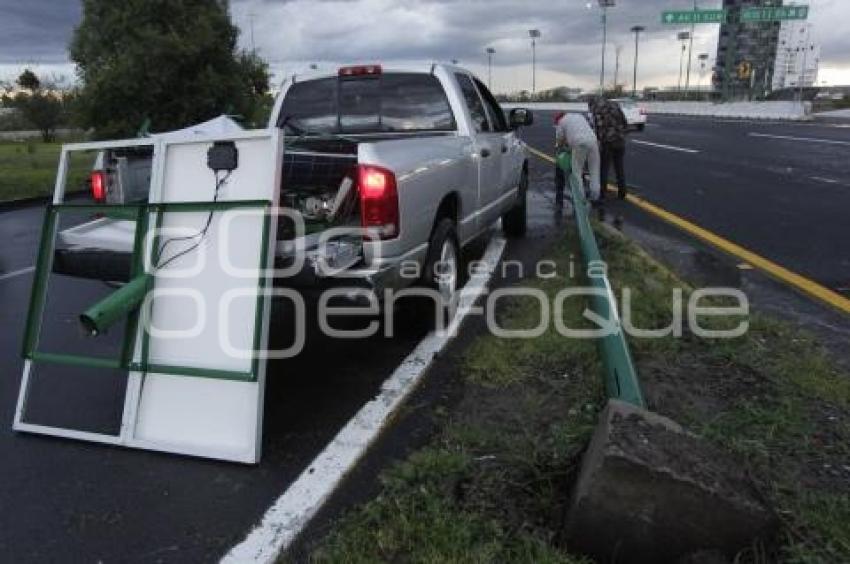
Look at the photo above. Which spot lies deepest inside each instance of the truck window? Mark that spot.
(494, 110)
(390, 102)
(473, 103)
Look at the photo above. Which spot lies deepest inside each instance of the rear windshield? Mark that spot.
(367, 104)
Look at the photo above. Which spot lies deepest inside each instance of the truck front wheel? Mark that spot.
(515, 219)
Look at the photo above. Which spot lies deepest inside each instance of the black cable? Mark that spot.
(200, 234)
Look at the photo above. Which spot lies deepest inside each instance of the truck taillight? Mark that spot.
(378, 200)
(642, 111)
(97, 179)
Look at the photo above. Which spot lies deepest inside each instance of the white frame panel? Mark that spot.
(136, 381)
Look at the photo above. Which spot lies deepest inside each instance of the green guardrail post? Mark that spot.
(621, 379)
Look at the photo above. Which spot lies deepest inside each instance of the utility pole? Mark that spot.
(534, 34)
(636, 30)
(490, 52)
(690, 53)
(604, 4)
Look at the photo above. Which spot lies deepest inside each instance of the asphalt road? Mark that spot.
(781, 190)
(63, 500)
(71, 501)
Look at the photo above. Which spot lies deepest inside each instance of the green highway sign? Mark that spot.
(773, 14)
(693, 16)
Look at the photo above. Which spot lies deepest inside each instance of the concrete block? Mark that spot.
(650, 492)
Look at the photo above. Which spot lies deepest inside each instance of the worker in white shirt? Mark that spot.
(574, 131)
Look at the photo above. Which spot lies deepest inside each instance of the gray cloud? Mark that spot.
(292, 33)
(36, 31)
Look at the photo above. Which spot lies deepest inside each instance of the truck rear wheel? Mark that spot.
(514, 222)
(442, 266)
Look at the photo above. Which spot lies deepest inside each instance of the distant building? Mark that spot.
(751, 46)
(797, 57)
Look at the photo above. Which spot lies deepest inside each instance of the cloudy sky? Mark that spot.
(292, 34)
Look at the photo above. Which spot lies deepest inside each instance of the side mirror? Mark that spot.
(520, 117)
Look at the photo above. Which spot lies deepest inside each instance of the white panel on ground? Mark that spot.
(193, 325)
(184, 412)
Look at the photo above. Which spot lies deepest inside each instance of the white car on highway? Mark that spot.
(635, 114)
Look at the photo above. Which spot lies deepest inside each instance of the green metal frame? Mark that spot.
(140, 213)
(621, 378)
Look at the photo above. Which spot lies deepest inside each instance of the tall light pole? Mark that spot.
(801, 77)
(251, 16)
(636, 30)
(534, 34)
(690, 50)
(703, 58)
(490, 52)
(617, 50)
(604, 4)
(682, 36)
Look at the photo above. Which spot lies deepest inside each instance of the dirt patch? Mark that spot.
(692, 387)
(526, 441)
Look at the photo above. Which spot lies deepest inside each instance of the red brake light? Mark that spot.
(360, 70)
(97, 179)
(378, 200)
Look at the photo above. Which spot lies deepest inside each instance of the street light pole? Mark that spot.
(683, 37)
(604, 4)
(617, 50)
(703, 57)
(802, 75)
(533, 34)
(490, 52)
(636, 30)
(690, 51)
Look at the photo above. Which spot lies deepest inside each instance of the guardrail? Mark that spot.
(778, 110)
(621, 379)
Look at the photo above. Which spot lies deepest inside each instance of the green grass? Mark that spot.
(492, 486)
(28, 169)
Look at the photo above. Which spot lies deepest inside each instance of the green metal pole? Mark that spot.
(116, 306)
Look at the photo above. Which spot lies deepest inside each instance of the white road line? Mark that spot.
(669, 147)
(298, 504)
(15, 273)
(806, 139)
(827, 180)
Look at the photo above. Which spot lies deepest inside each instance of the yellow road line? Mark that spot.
(781, 273)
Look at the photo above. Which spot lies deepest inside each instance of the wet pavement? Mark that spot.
(72, 501)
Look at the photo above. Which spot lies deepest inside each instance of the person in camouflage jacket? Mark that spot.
(610, 125)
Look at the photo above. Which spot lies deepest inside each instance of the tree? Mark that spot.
(39, 102)
(29, 81)
(174, 62)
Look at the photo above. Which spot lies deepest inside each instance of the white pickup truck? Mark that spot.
(423, 158)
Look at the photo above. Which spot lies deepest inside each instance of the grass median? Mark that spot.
(28, 169)
(493, 484)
